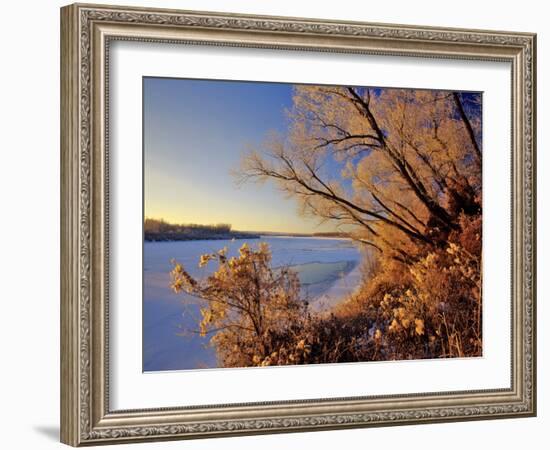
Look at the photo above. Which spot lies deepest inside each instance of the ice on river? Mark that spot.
(329, 270)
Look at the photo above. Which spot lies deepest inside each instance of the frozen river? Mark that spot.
(328, 270)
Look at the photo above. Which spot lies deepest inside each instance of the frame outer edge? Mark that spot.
(79, 337)
(534, 175)
(69, 411)
(533, 229)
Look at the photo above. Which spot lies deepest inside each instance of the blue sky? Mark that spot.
(195, 132)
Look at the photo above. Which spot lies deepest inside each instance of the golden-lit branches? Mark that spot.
(408, 163)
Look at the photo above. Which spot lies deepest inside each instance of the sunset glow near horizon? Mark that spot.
(195, 133)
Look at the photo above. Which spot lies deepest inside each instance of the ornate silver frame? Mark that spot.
(86, 31)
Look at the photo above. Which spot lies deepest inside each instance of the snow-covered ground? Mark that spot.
(329, 269)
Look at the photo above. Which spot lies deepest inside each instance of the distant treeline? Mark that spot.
(160, 230)
(327, 234)
(161, 226)
(332, 234)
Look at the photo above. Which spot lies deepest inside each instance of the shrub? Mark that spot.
(249, 307)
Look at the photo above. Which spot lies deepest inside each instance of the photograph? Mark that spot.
(293, 224)
(285, 221)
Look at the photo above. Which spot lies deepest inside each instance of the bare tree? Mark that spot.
(397, 167)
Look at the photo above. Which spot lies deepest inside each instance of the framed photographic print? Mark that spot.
(277, 225)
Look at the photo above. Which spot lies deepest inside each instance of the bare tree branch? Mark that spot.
(467, 124)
